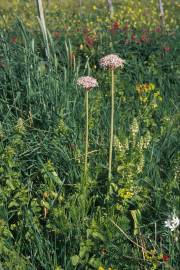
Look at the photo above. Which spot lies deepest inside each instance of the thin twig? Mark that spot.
(127, 236)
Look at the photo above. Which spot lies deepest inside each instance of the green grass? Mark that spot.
(44, 221)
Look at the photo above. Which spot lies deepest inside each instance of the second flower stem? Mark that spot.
(86, 139)
(112, 127)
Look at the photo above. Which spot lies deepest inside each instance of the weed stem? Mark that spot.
(86, 135)
(112, 127)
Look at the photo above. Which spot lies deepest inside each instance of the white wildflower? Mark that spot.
(140, 165)
(172, 222)
(134, 127)
(147, 140)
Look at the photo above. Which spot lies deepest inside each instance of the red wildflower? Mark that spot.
(115, 26)
(56, 34)
(158, 30)
(89, 41)
(166, 258)
(14, 40)
(126, 27)
(144, 38)
(138, 42)
(166, 49)
(133, 37)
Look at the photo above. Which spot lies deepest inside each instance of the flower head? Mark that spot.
(87, 82)
(172, 223)
(115, 27)
(14, 40)
(89, 41)
(165, 258)
(57, 34)
(167, 49)
(112, 61)
(101, 268)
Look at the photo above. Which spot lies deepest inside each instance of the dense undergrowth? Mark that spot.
(46, 220)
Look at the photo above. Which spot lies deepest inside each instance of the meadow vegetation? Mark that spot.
(52, 216)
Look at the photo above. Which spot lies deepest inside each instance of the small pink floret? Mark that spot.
(112, 61)
(87, 82)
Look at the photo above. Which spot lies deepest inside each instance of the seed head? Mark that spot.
(111, 61)
(87, 82)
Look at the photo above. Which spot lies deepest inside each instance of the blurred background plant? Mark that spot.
(137, 14)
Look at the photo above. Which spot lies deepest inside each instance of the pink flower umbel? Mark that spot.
(87, 82)
(112, 61)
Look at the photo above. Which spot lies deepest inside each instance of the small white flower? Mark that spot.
(172, 223)
(134, 127)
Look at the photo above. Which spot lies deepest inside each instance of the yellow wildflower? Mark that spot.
(125, 193)
(101, 268)
(151, 86)
(144, 88)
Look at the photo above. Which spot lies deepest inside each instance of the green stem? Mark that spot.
(86, 139)
(112, 127)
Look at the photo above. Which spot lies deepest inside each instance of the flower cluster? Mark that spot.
(20, 128)
(155, 258)
(147, 93)
(120, 147)
(144, 88)
(87, 82)
(125, 193)
(111, 61)
(172, 222)
(134, 127)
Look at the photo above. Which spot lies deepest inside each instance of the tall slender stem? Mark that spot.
(111, 9)
(43, 25)
(86, 139)
(161, 10)
(112, 126)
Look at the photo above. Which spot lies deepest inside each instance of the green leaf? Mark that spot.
(12, 204)
(83, 250)
(136, 215)
(98, 235)
(94, 262)
(75, 260)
